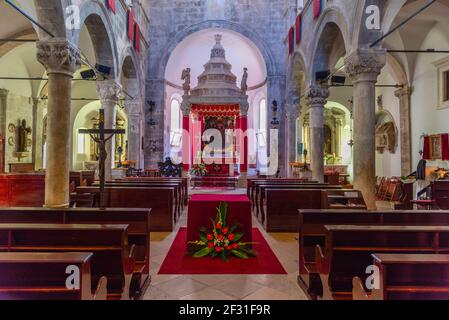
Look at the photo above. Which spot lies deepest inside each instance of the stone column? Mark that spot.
(3, 128)
(316, 96)
(60, 59)
(134, 138)
(291, 134)
(404, 95)
(185, 108)
(108, 92)
(363, 67)
(242, 136)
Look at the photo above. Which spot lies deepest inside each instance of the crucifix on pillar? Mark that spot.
(99, 137)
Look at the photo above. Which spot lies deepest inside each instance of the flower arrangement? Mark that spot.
(199, 170)
(223, 241)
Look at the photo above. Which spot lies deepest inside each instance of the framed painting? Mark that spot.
(435, 147)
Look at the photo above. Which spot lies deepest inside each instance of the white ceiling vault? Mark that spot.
(194, 52)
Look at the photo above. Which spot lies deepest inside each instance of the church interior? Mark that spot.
(224, 150)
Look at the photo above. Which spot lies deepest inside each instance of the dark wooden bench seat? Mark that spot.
(161, 200)
(278, 209)
(138, 230)
(312, 233)
(184, 182)
(348, 251)
(43, 276)
(260, 195)
(178, 200)
(112, 257)
(408, 277)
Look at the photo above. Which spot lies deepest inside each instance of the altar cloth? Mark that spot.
(203, 207)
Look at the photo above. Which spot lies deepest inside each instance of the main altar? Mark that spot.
(215, 119)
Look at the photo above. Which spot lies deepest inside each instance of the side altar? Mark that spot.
(215, 119)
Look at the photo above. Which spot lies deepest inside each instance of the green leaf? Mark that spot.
(239, 254)
(238, 236)
(249, 252)
(202, 253)
(203, 238)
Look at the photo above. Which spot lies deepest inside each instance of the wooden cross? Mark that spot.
(99, 137)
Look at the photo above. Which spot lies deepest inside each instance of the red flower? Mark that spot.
(231, 237)
(218, 226)
(225, 230)
(228, 248)
(218, 249)
(220, 237)
(210, 237)
(235, 246)
(210, 245)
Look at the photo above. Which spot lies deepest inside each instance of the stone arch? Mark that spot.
(297, 77)
(333, 40)
(131, 80)
(51, 17)
(96, 18)
(268, 56)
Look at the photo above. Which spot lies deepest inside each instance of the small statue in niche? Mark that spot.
(244, 85)
(186, 77)
(23, 132)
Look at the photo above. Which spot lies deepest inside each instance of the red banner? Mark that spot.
(317, 8)
(426, 148)
(445, 146)
(291, 41)
(130, 25)
(298, 29)
(111, 5)
(136, 37)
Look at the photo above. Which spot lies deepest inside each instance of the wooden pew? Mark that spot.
(259, 192)
(440, 193)
(112, 257)
(312, 232)
(288, 202)
(178, 200)
(348, 250)
(22, 190)
(184, 181)
(161, 200)
(42, 276)
(252, 186)
(408, 277)
(82, 177)
(138, 230)
(251, 182)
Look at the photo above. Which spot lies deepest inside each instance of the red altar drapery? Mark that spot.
(445, 146)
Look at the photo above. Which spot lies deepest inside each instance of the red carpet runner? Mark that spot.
(177, 262)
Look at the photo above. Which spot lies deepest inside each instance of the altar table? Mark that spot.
(203, 207)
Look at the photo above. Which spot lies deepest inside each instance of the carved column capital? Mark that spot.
(244, 107)
(365, 65)
(108, 91)
(59, 56)
(317, 95)
(186, 106)
(404, 91)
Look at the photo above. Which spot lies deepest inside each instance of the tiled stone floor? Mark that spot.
(226, 287)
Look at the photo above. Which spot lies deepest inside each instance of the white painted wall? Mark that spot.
(425, 116)
(389, 164)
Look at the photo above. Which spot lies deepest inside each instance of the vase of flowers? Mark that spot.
(222, 240)
(198, 170)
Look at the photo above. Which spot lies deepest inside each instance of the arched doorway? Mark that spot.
(193, 52)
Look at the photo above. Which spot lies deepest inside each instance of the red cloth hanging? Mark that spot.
(317, 8)
(445, 146)
(298, 29)
(426, 149)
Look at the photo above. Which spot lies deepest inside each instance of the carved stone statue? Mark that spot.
(186, 77)
(244, 85)
(23, 132)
